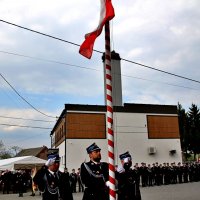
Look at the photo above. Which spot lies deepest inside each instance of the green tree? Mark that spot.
(15, 150)
(4, 153)
(8, 153)
(182, 117)
(194, 129)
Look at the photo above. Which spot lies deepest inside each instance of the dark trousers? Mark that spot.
(6, 188)
(73, 186)
(80, 186)
(92, 194)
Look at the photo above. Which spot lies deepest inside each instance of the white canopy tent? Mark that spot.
(24, 162)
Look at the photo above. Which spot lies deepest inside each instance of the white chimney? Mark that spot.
(116, 79)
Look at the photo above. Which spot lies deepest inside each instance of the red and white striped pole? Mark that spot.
(109, 103)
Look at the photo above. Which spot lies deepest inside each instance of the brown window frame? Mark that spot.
(162, 132)
(85, 119)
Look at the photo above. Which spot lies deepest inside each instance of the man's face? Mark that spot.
(95, 156)
(126, 164)
(54, 167)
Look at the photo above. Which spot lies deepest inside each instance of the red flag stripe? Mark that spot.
(106, 14)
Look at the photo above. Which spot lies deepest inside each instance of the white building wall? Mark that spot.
(131, 135)
(62, 155)
(76, 151)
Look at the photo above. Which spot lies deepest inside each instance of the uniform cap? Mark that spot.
(125, 155)
(54, 157)
(92, 147)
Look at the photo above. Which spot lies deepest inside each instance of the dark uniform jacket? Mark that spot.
(128, 185)
(21, 182)
(6, 181)
(94, 177)
(53, 187)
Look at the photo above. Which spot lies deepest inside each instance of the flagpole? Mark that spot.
(109, 103)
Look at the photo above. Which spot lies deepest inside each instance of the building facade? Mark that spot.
(149, 132)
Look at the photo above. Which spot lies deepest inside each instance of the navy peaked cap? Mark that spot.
(54, 156)
(92, 147)
(125, 155)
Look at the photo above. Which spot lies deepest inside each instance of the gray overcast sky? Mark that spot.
(162, 34)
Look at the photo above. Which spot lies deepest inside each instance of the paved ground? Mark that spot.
(186, 191)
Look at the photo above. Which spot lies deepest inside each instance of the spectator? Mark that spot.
(80, 185)
(73, 179)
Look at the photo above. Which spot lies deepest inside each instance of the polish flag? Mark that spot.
(107, 13)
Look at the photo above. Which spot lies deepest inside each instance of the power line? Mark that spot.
(156, 69)
(37, 120)
(88, 68)
(47, 60)
(24, 98)
(22, 126)
(44, 34)
(175, 85)
(146, 66)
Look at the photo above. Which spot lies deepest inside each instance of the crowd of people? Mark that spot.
(154, 174)
(15, 182)
(92, 178)
(19, 181)
(93, 175)
(75, 180)
(167, 173)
